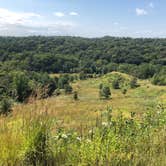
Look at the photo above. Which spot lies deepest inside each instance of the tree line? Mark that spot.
(142, 58)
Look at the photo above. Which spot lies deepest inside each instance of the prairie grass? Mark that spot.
(61, 131)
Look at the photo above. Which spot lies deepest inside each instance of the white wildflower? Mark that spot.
(78, 138)
(90, 131)
(88, 141)
(64, 136)
(56, 137)
(104, 124)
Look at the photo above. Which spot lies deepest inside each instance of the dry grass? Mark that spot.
(73, 114)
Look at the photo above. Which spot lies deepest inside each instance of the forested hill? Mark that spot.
(75, 54)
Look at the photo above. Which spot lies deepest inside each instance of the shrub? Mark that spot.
(115, 84)
(57, 92)
(159, 78)
(133, 83)
(63, 80)
(20, 86)
(82, 76)
(5, 106)
(105, 92)
(38, 151)
(75, 95)
(68, 89)
(100, 86)
(124, 91)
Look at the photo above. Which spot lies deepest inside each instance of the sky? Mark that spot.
(86, 18)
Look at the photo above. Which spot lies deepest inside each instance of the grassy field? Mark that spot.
(73, 114)
(19, 130)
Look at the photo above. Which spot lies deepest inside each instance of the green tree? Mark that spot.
(124, 91)
(105, 92)
(21, 86)
(115, 84)
(5, 106)
(68, 89)
(75, 95)
(133, 83)
(57, 92)
(82, 76)
(100, 86)
(63, 80)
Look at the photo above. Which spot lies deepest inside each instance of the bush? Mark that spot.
(124, 91)
(57, 92)
(115, 84)
(133, 83)
(75, 95)
(100, 86)
(68, 89)
(105, 92)
(159, 78)
(20, 86)
(82, 76)
(38, 151)
(63, 80)
(5, 106)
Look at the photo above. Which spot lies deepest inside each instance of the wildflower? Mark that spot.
(88, 141)
(78, 138)
(56, 137)
(64, 136)
(158, 112)
(104, 124)
(90, 131)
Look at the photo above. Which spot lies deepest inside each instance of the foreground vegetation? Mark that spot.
(112, 141)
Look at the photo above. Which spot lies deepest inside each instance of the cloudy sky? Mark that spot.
(88, 18)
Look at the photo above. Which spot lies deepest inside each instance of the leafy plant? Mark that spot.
(5, 105)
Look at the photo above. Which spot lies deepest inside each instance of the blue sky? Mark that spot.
(88, 18)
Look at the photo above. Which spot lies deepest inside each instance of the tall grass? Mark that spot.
(38, 140)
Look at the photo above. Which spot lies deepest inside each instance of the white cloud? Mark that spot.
(151, 5)
(73, 13)
(141, 12)
(59, 14)
(27, 23)
(9, 17)
(116, 23)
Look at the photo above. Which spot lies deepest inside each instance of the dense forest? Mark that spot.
(23, 60)
(73, 54)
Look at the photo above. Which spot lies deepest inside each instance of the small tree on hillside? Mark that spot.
(5, 106)
(124, 91)
(133, 83)
(75, 95)
(68, 89)
(105, 92)
(57, 92)
(20, 85)
(100, 86)
(115, 84)
(82, 76)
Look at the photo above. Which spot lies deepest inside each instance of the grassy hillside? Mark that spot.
(89, 105)
(61, 131)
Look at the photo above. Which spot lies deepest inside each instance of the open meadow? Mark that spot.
(65, 131)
